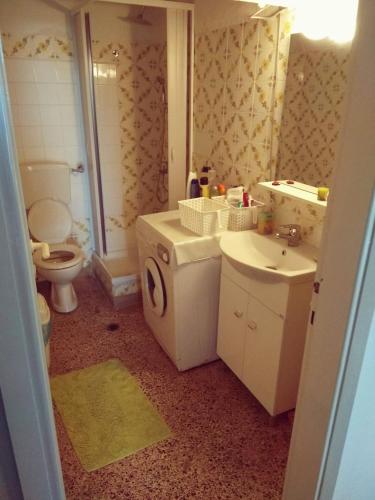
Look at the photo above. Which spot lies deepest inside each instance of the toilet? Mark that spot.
(46, 189)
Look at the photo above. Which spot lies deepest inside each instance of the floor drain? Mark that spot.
(112, 327)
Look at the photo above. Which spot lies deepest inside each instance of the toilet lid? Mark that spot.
(50, 221)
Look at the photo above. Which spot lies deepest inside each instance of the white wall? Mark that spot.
(33, 16)
(216, 14)
(106, 25)
(44, 89)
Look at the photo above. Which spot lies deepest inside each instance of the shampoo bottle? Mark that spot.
(192, 175)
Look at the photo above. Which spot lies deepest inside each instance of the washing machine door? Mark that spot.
(154, 287)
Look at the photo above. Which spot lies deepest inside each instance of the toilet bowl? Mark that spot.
(61, 268)
(50, 220)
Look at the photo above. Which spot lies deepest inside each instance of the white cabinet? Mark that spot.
(232, 325)
(264, 332)
(263, 347)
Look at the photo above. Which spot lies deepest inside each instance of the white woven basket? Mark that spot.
(204, 216)
(242, 219)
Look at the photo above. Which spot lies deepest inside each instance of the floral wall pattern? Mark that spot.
(132, 128)
(37, 46)
(46, 110)
(309, 217)
(314, 105)
(240, 74)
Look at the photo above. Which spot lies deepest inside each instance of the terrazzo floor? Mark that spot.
(224, 446)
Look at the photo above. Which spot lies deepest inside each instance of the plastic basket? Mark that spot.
(204, 216)
(242, 219)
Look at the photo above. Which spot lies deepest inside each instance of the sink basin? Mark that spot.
(269, 258)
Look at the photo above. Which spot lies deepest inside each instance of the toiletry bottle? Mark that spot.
(323, 193)
(192, 175)
(214, 191)
(205, 190)
(245, 199)
(265, 223)
(212, 176)
(194, 189)
(205, 170)
(221, 189)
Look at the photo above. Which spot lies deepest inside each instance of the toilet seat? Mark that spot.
(50, 220)
(62, 256)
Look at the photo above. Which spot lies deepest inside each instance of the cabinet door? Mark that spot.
(232, 325)
(262, 353)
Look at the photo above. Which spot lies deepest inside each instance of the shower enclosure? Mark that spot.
(136, 60)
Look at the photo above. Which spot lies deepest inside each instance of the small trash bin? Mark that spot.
(45, 319)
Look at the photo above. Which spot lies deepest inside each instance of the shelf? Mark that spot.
(298, 191)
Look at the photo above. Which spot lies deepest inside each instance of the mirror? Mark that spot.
(316, 85)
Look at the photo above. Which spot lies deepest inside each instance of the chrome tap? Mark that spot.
(290, 232)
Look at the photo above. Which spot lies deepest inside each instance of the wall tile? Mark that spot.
(310, 217)
(54, 153)
(26, 115)
(239, 131)
(50, 115)
(41, 76)
(36, 46)
(25, 93)
(47, 93)
(65, 92)
(68, 115)
(45, 71)
(70, 136)
(311, 122)
(19, 71)
(34, 153)
(65, 72)
(52, 136)
(31, 136)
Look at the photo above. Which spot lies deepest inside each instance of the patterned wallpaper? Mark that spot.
(37, 46)
(309, 217)
(240, 74)
(141, 143)
(313, 109)
(140, 120)
(46, 114)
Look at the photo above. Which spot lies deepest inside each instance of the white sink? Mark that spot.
(269, 258)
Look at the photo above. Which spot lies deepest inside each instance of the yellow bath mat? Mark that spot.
(106, 414)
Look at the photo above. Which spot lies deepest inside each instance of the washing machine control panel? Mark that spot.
(163, 253)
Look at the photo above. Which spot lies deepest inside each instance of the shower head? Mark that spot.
(138, 19)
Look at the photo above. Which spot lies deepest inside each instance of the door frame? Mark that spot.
(23, 372)
(336, 343)
(180, 138)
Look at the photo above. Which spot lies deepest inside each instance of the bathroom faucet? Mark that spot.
(44, 246)
(291, 232)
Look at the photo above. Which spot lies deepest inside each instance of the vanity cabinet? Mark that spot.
(263, 346)
(232, 325)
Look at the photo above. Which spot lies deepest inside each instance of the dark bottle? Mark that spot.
(194, 189)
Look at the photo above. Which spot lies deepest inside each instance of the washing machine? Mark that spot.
(180, 276)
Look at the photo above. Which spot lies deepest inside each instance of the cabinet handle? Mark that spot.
(238, 314)
(252, 325)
